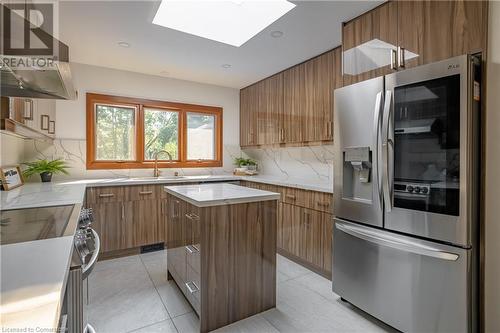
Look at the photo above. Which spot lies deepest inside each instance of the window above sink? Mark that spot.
(126, 133)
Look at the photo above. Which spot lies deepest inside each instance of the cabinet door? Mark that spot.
(109, 224)
(311, 231)
(438, 30)
(176, 253)
(249, 101)
(145, 214)
(294, 103)
(368, 42)
(291, 228)
(279, 231)
(327, 241)
(270, 110)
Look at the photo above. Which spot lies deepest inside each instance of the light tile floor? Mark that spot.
(132, 294)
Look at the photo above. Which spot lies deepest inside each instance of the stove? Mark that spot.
(31, 224)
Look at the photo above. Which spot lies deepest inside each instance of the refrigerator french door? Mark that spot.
(406, 194)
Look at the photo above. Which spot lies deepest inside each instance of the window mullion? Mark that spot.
(139, 136)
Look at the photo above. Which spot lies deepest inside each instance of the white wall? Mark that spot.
(11, 150)
(492, 200)
(70, 118)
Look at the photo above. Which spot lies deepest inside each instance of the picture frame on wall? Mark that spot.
(11, 177)
(52, 127)
(44, 123)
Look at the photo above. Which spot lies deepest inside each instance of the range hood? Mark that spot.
(50, 82)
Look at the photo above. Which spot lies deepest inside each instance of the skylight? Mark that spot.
(231, 22)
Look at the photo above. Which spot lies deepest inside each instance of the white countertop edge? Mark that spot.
(295, 183)
(211, 203)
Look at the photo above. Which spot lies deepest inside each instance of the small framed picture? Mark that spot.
(52, 127)
(11, 177)
(44, 124)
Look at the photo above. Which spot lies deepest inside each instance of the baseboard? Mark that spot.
(326, 274)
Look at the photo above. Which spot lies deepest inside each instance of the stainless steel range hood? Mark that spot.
(51, 82)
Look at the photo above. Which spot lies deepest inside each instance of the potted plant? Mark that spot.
(45, 168)
(244, 164)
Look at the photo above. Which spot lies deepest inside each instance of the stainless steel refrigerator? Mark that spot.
(406, 196)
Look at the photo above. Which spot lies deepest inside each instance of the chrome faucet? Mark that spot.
(156, 172)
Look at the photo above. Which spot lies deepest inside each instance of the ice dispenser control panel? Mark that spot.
(360, 160)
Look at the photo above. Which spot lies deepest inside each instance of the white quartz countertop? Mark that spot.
(206, 195)
(33, 195)
(33, 280)
(33, 274)
(306, 184)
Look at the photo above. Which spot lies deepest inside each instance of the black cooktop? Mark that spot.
(29, 224)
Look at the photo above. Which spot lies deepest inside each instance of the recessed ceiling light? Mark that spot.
(230, 22)
(123, 44)
(226, 66)
(276, 34)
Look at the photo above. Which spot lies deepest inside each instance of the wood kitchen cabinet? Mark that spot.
(110, 224)
(249, 108)
(437, 30)
(305, 226)
(223, 258)
(403, 34)
(127, 217)
(367, 43)
(294, 107)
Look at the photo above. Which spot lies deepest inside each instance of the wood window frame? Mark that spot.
(140, 104)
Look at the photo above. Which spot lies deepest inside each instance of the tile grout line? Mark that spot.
(156, 289)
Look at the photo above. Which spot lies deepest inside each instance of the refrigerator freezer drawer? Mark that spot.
(411, 284)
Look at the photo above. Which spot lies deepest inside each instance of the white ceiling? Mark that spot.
(92, 30)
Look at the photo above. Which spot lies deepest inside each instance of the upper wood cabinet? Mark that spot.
(367, 43)
(404, 34)
(249, 106)
(294, 106)
(437, 30)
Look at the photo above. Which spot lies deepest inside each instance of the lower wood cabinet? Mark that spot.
(305, 226)
(111, 225)
(223, 258)
(127, 217)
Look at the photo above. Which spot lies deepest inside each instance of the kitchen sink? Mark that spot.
(139, 179)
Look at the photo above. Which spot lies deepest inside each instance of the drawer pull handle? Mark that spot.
(191, 249)
(290, 196)
(192, 216)
(106, 195)
(323, 204)
(145, 192)
(192, 287)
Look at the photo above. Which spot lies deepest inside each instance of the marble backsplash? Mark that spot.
(74, 152)
(307, 163)
(313, 163)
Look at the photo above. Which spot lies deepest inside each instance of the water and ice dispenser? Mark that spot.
(357, 173)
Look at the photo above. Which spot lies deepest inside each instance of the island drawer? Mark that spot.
(193, 284)
(193, 257)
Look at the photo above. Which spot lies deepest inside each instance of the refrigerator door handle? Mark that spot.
(386, 142)
(376, 139)
(397, 243)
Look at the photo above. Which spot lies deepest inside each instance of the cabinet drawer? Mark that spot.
(176, 260)
(297, 197)
(193, 257)
(104, 194)
(140, 192)
(195, 286)
(322, 202)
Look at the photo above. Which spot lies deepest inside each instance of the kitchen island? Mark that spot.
(221, 241)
